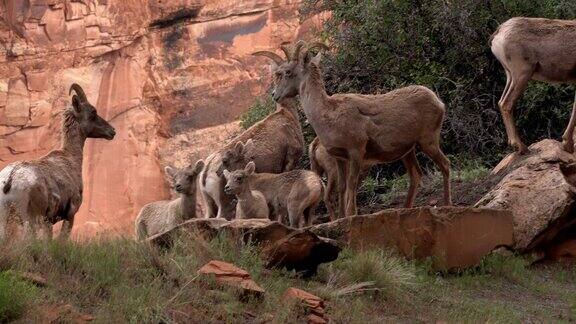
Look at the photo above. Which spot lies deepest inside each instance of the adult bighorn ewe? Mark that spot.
(160, 216)
(277, 146)
(44, 191)
(360, 129)
(534, 49)
(294, 194)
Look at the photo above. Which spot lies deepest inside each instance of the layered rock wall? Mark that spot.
(170, 76)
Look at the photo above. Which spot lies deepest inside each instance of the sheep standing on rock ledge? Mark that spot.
(251, 203)
(160, 216)
(534, 49)
(358, 129)
(45, 191)
(293, 195)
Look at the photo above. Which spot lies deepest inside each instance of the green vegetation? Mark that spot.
(124, 281)
(380, 45)
(15, 296)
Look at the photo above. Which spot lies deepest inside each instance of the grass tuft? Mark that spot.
(15, 296)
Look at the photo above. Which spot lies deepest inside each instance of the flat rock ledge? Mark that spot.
(452, 237)
(282, 246)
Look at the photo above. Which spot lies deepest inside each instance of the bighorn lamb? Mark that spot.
(538, 49)
(251, 203)
(359, 128)
(160, 216)
(45, 191)
(322, 163)
(294, 194)
(278, 144)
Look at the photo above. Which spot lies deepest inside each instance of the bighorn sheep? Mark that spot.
(539, 49)
(322, 163)
(251, 203)
(365, 128)
(160, 216)
(45, 191)
(278, 144)
(294, 194)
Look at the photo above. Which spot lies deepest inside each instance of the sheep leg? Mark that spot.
(432, 149)
(568, 137)
(293, 154)
(30, 229)
(4, 213)
(509, 98)
(331, 196)
(342, 174)
(415, 174)
(47, 229)
(209, 204)
(354, 168)
(294, 216)
(67, 225)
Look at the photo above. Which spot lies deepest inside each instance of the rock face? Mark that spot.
(171, 76)
(282, 246)
(539, 189)
(454, 237)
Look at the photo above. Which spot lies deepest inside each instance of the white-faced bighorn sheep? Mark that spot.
(251, 203)
(365, 128)
(325, 164)
(294, 194)
(278, 144)
(539, 49)
(160, 216)
(44, 191)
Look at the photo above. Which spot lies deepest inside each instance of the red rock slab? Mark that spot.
(229, 274)
(314, 303)
(453, 237)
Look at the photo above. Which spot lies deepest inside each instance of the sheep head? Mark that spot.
(237, 157)
(91, 124)
(184, 181)
(289, 74)
(237, 181)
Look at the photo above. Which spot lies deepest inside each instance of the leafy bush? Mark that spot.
(380, 45)
(15, 295)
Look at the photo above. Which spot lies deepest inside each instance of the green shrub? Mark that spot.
(380, 45)
(15, 296)
(263, 107)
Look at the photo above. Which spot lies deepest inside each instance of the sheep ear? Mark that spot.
(238, 148)
(273, 67)
(226, 174)
(199, 166)
(76, 104)
(170, 171)
(316, 59)
(250, 167)
(249, 146)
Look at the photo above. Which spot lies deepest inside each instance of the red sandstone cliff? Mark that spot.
(170, 75)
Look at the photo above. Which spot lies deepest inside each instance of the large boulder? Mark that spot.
(539, 189)
(453, 237)
(282, 246)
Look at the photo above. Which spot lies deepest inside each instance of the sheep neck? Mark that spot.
(73, 138)
(290, 105)
(245, 193)
(188, 205)
(313, 96)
